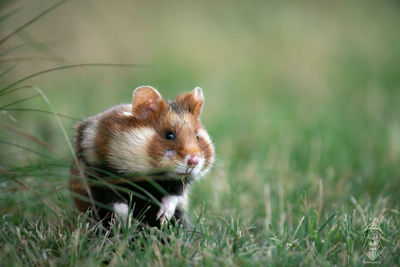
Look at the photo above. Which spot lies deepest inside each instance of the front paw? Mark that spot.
(168, 207)
(164, 214)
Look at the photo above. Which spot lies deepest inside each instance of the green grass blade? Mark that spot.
(41, 111)
(31, 21)
(9, 14)
(19, 101)
(326, 222)
(25, 148)
(12, 49)
(31, 137)
(4, 89)
(8, 70)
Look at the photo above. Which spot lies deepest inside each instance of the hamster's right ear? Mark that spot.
(147, 103)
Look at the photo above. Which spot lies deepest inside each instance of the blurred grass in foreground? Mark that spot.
(302, 102)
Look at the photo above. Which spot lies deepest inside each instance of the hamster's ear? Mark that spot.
(147, 103)
(192, 101)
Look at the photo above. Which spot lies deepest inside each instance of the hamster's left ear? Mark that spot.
(192, 101)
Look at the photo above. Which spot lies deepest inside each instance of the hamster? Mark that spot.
(158, 147)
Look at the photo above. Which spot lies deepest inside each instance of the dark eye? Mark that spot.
(197, 136)
(170, 135)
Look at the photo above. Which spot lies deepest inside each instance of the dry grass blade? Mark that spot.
(49, 54)
(39, 186)
(51, 205)
(31, 137)
(34, 58)
(26, 149)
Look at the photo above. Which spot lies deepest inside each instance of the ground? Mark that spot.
(302, 103)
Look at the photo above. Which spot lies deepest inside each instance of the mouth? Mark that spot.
(188, 171)
(183, 173)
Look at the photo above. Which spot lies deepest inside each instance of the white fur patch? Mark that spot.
(168, 161)
(198, 93)
(122, 210)
(128, 150)
(168, 207)
(126, 113)
(203, 133)
(198, 170)
(88, 142)
(181, 167)
(184, 201)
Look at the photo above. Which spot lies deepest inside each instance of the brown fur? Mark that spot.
(77, 186)
(189, 102)
(148, 110)
(184, 125)
(147, 104)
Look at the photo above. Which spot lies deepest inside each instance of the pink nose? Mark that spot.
(193, 160)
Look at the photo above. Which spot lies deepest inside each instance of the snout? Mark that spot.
(193, 160)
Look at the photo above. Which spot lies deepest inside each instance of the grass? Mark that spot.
(301, 103)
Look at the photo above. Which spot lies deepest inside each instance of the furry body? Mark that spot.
(158, 147)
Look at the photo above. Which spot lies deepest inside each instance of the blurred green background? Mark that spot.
(299, 94)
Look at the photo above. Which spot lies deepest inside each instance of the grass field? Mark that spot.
(302, 103)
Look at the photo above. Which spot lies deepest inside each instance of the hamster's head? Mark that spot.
(177, 142)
